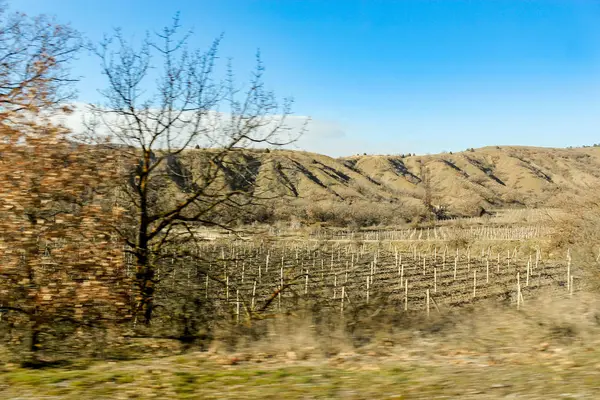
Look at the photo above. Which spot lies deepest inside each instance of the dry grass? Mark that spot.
(553, 319)
(577, 231)
(547, 350)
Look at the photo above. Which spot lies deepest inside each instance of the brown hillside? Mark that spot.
(489, 177)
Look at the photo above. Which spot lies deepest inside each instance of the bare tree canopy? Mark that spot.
(164, 100)
(161, 94)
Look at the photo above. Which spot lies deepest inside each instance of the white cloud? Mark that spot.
(320, 136)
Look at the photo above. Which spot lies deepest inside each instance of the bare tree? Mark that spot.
(163, 101)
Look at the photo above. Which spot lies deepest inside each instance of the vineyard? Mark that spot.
(441, 233)
(243, 279)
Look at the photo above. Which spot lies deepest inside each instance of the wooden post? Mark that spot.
(346, 274)
(343, 295)
(206, 287)
(530, 262)
(498, 266)
(518, 292)
(406, 295)
(455, 264)
(266, 263)
(173, 276)
(569, 270)
(227, 288)
(237, 306)
(253, 295)
(306, 283)
(427, 295)
(259, 273)
(334, 286)
(401, 274)
(474, 281)
(280, 288)
(468, 259)
(368, 284)
(571, 286)
(434, 280)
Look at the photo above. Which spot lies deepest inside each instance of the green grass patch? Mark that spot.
(174, 378)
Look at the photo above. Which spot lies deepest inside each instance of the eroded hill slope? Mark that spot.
(490, 177)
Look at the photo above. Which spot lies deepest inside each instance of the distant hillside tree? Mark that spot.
(425, 175)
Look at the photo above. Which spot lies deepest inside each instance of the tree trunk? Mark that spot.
(145, 271)
(145, 282)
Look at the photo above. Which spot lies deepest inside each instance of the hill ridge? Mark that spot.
(491, 177)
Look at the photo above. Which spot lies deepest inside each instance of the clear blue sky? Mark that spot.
(393, 76)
